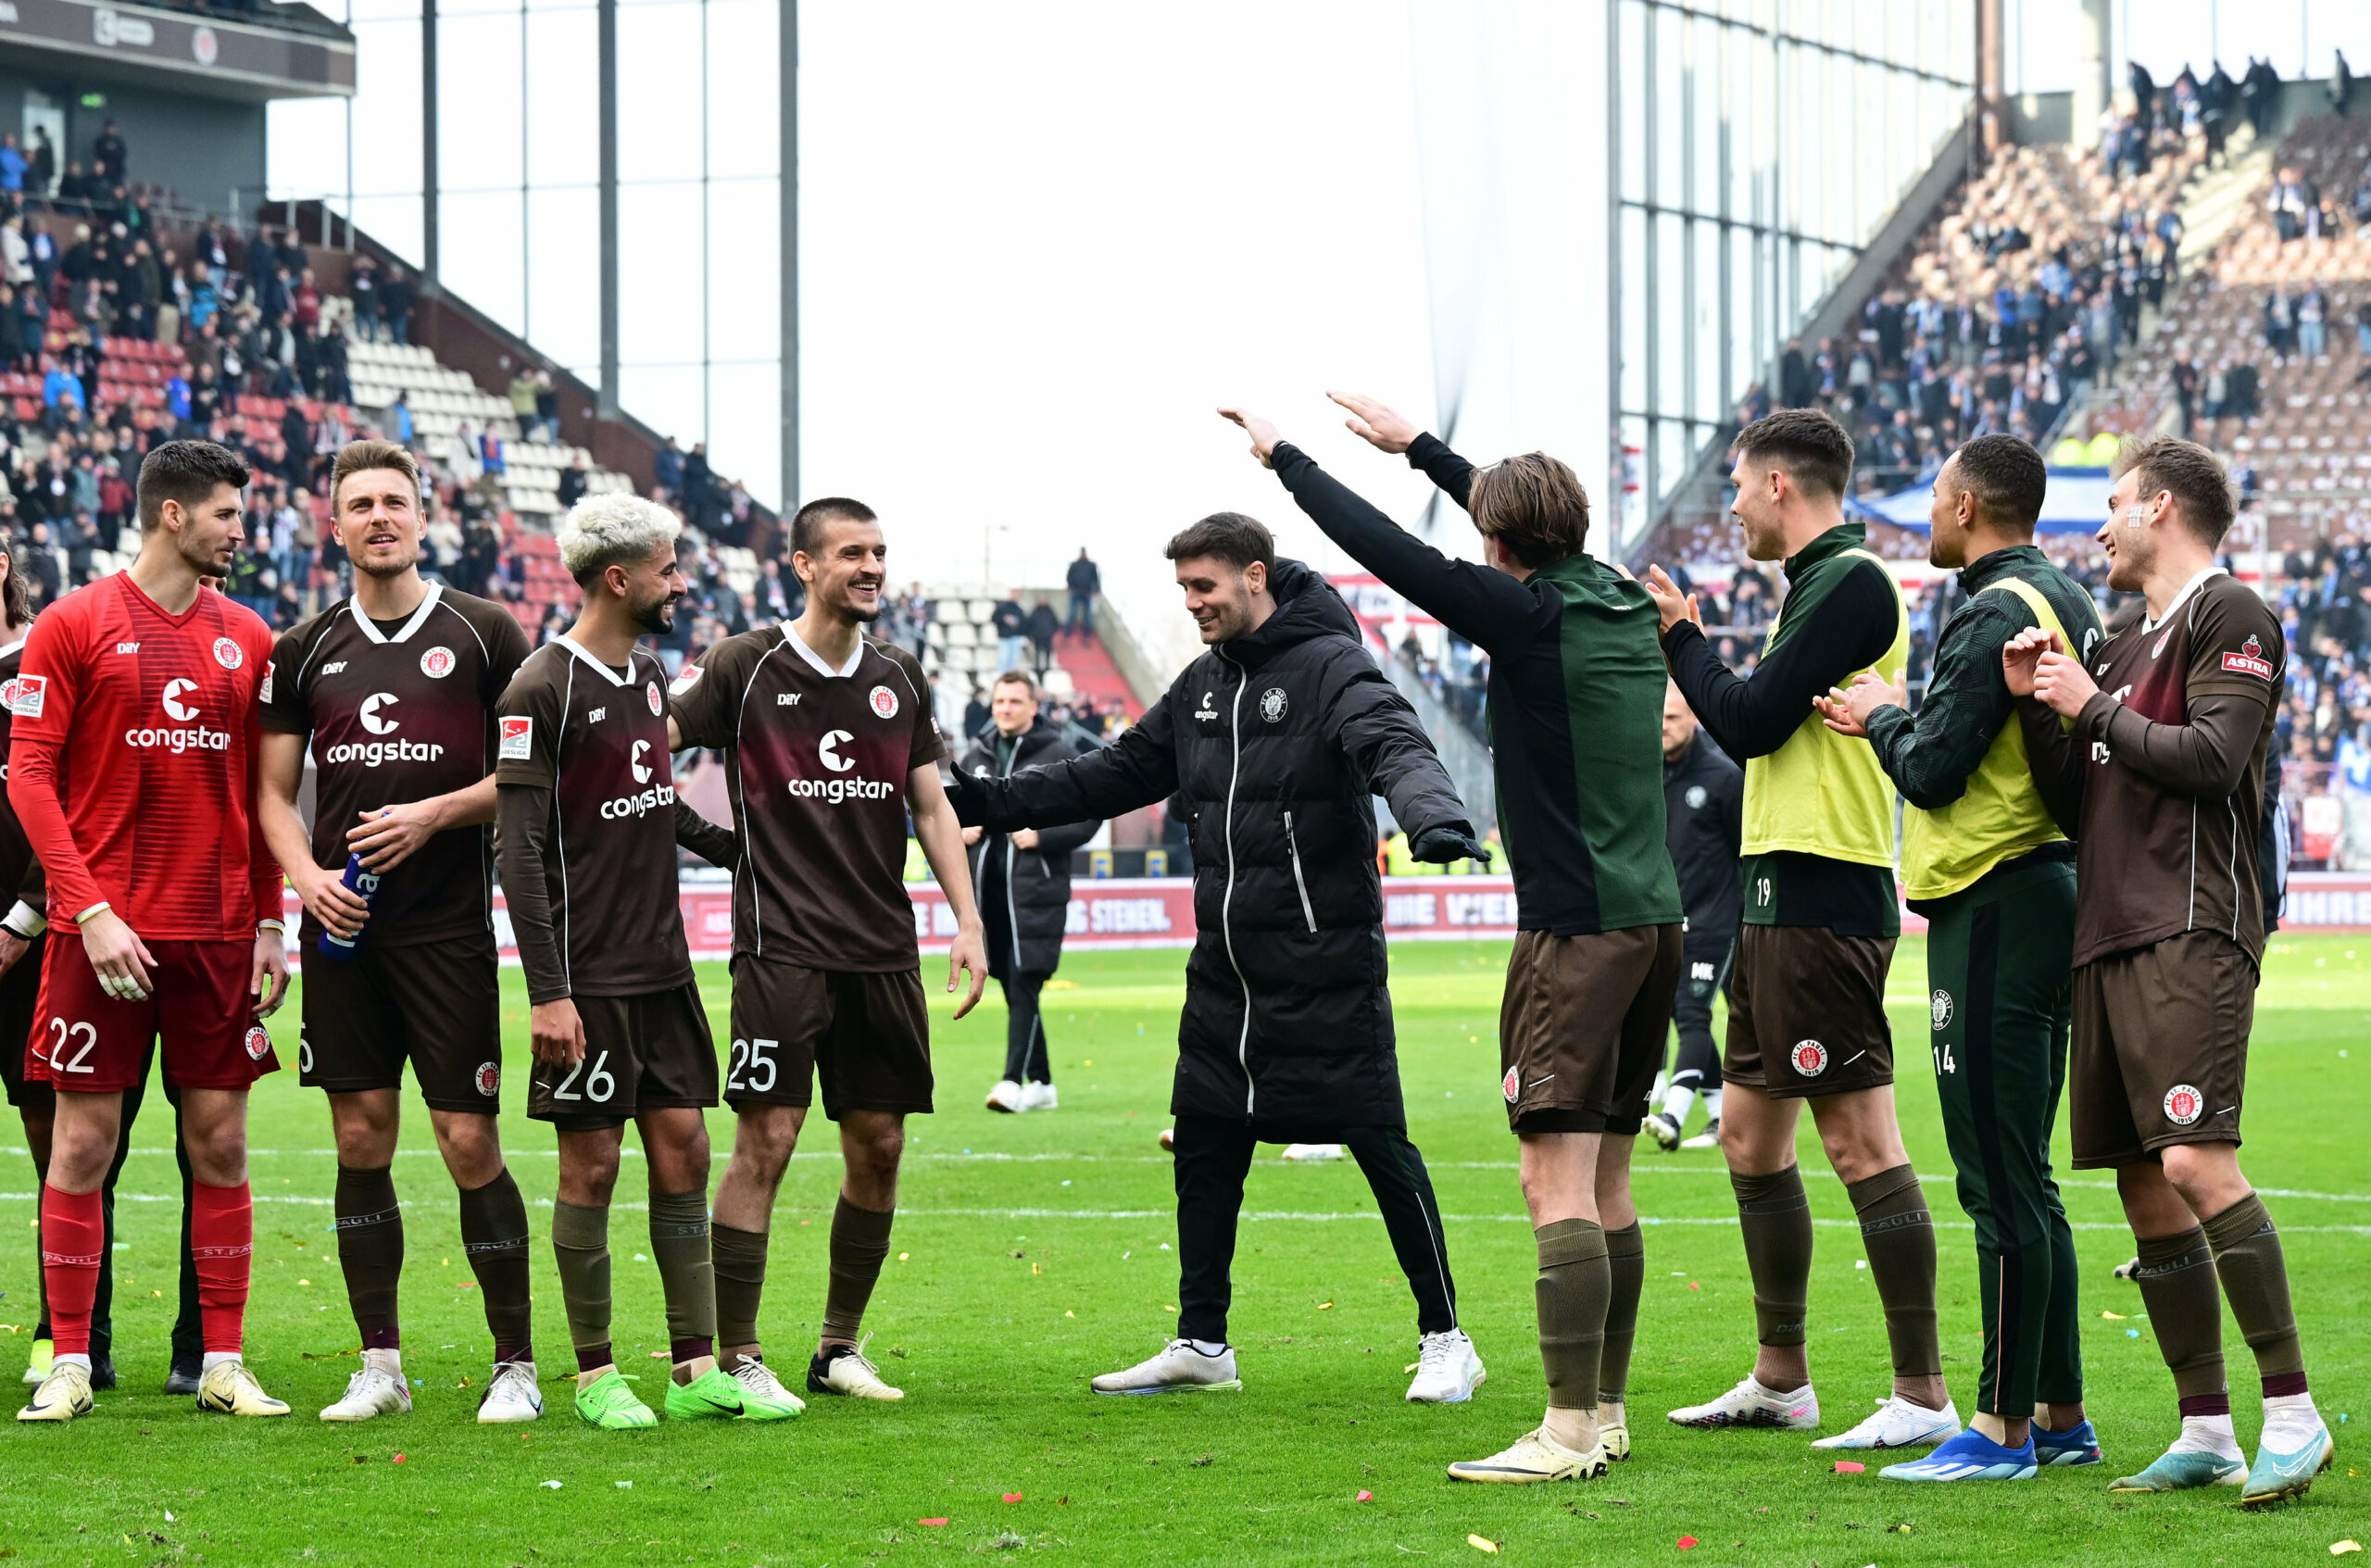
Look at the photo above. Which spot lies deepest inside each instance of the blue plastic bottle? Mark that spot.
(358, 881)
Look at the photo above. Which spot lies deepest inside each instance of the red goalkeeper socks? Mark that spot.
(74, 1235)
(222, 1245)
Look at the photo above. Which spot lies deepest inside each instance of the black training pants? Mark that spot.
(1024, 1030)
(1697, 1065)
(1215, 1155)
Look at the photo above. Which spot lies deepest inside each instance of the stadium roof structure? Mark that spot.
(2077, 503)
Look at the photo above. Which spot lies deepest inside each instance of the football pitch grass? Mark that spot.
(1029, 1255)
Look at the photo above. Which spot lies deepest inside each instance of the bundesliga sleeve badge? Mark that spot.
(26, 694)
(687, 680)
(517, 738)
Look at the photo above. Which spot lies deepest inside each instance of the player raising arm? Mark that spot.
(588, 823)
(395, 689)
(2161, 780)
(132, 766)
(829, 743)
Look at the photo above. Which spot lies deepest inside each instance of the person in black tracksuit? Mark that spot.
(1275, 741)
(1023, 878)
(1704, 816)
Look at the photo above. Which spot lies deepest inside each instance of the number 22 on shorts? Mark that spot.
(600, 1084)
(61, 1033)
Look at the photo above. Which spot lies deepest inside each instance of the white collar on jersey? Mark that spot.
(812, 657)
(572, 645)
(370, 627)
(2188, 589)
(11, 647)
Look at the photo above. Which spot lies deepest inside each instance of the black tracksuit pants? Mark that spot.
(1215, 1155)
(1698, 1063)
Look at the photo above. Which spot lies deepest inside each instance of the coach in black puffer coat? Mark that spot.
(1034, 886)
(1277, 739)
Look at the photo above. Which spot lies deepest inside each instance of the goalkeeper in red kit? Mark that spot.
(131, 767)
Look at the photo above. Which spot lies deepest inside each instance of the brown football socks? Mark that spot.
(1626, 1258)
(1574, 1282)
(2255, 1281)
(740, 1283)
(1776, 1219)
(494, 1236)
(860, 1246)
(1899, 1236)
(371, 1250)
(2177, 1285)
(580, 1245)
(678, 1246)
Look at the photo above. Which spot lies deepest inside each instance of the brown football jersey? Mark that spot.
(596, 736)
(816, 761)
(399, 711)
(2153, 862)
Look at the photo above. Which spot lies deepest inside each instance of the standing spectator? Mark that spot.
(397, 297)
(698, 481)
(43, 171)
(521, 393)
(108, 155)
(1085, 581)
(572, 481)
(1044, 627)
(362, 288)
(399, 426)
(13, 165)
(1012, 624)
(2313, 338)
(546, 404)
(667, 468)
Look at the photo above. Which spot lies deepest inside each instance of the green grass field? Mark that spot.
(1029, 1256)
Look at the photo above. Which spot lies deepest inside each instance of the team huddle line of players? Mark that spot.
(2081, 812)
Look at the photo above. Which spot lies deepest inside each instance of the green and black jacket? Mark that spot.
(1574, 701)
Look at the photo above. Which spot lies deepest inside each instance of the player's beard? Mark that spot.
(859, 613)
(386, 571)
(657, 618)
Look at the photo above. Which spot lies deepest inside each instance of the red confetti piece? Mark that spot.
(1366, 1497)
(399, 1459)
(1013, 1497)
(1693, 1285)
(1686, 1542)
(934, 1523)
(1846, 1467)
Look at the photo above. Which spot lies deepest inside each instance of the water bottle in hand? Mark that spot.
(361, 882)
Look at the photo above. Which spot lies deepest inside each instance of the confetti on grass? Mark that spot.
(1846, 1467)
(1482, 1544)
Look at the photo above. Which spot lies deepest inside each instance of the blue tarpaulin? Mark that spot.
(2077, 503)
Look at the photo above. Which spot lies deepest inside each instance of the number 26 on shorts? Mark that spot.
(600, 1084)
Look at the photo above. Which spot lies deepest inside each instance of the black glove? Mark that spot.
(963, 792)
(1439, 846)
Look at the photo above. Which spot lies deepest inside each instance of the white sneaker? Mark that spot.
(1447, 1370)
(1040, 1097)
(1897, 1424)
(1007, 1097)
(1533, 1457)
(228, 1388)
(1709, 1138)
(511, 1395)
(1613, 1432)
(1300, 1151)
(63, 1395)
(1168, 1139)
(1179, 1368)
(1663, 1129)
(371, 1393)
(1749, 1404)
(846, 1371)
(762, 1394)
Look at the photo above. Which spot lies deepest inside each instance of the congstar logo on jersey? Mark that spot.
(631, 806)
(376, 715)
(835, 791)
(188, 732)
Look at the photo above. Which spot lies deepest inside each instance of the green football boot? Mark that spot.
(609, 1404)
(37, 1365)
(711, 1394)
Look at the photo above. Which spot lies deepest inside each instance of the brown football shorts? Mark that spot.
(437, 1005)
(2160, 1052)
(1807, 1013)
(867, 1036)
(1581, 1027)
(646, 1052)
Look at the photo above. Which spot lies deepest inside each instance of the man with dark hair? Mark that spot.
(830, 746)
(2151, 750)
(1986, 865)
(393, 690)
(1807, 1017)
(1275, 740)
(1023, 880)
(134, 717)
(587, 825)
(1574, 683)
(1084, 582)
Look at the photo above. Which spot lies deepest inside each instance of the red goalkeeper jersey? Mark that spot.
(131, 761)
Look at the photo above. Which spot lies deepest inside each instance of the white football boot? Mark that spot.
(1179, 1368)
(511, 1395)
(846, 1371)
(1897, 1424)
(1751, 1404)
(369, 1394)
(1006, 1097)
(228, 1388)
(1447, 1370)
(1533, 1457)
(63, 1395)
(1297, 1152)
(1040, 1097)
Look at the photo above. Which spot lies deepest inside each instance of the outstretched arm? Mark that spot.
(1378, 730)
(1388, 430)
(1136, 770)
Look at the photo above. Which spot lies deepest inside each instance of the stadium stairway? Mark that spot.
(2216, 199)
(1094, 673)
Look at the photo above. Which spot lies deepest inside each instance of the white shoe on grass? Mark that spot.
(1897, 1424)
(1447, 1370)
(1006, 1097)
(1179, 1368)
(1533, 1457)
(1040, 1097)
(1663, 1129)
(63, 1395)
(844, 1370)
(511, 1395)
(1613, 1432)
(228, 1388)
(1751, 1404)
(369, 1394)
(1709, 1138)
(1297, 1152)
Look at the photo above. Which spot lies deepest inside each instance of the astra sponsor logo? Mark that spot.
(187, 733)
